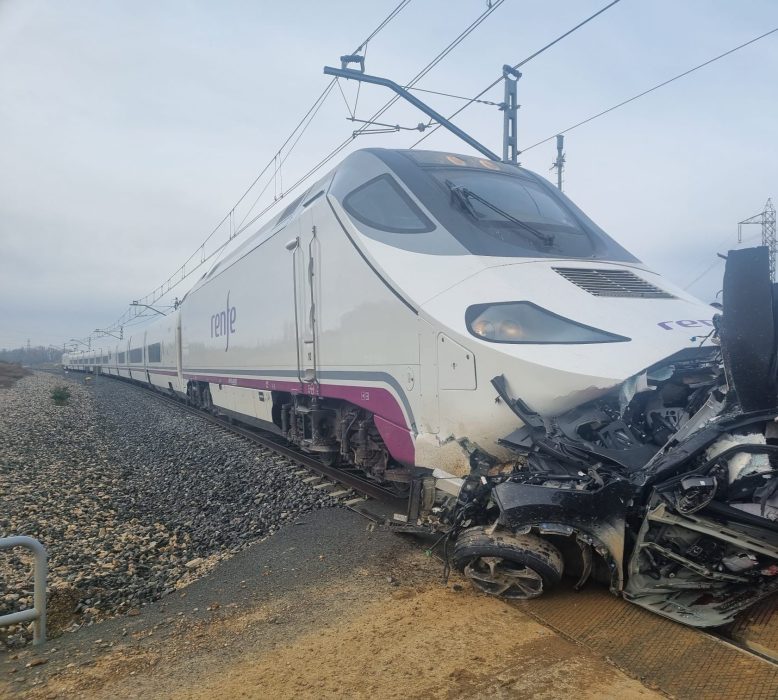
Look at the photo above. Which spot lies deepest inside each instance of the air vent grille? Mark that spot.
(612, 283)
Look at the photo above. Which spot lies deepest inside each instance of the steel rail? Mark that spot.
(272, 441)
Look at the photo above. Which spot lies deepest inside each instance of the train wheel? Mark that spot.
(207, 400)
(506, 565)
(401, 488)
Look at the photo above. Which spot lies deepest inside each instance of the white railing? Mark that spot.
(37, 613)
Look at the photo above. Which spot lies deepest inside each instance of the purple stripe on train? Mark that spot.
(380, 402)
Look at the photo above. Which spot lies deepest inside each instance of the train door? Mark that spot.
(179, 363)
(307, 292)
(429, 421)
(146, 357)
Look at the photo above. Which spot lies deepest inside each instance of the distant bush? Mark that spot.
(60, 395)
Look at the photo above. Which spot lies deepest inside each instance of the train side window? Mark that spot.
(382, 204)
(154, 352)
(121, 358)
(136, 355)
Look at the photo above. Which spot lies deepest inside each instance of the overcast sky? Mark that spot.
(128, 129)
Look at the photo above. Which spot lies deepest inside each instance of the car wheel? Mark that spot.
(502, 564)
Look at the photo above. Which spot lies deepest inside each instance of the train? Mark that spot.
(387, 297)
(433, 318)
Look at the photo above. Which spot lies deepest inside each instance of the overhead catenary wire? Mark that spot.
(491, 8)
(396, 11)
(180, 274)
(240, 228)
(457, 97)
(652, 89)
(172, 282)
(519, 65)
(344, 144)
(717, 261)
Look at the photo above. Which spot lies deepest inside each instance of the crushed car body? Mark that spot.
(667, 487)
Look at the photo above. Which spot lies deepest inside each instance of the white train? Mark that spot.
(368, 319)
(427, 316)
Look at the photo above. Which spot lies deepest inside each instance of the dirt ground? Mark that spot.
(321, 620)
(423, 643)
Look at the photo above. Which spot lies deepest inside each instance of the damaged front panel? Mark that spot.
(672, 478)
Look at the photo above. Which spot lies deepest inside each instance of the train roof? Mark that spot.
(387, 155)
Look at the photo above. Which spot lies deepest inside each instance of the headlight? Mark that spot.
(524, 322)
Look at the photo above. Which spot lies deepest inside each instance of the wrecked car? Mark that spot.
(667, 487)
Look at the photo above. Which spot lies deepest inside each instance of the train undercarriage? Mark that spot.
(341, 434)
(338, 433)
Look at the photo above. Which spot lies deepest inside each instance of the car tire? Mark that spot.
(505, 565)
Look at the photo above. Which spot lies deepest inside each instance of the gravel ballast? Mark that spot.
(131, 497)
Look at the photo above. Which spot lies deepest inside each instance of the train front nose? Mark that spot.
(563, 333)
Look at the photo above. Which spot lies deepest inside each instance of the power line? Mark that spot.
(273, 161)
(714, 264)
(656, 87)
(457, 97)
(344, 144)
(519, 65)
(172, 282)
(180, 274)
(718, 260)
(396, 11)
(445, 52)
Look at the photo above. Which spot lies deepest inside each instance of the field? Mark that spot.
(10, 373)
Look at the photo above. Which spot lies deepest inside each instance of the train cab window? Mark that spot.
(154, 352)
(516, 211)
(382, 204)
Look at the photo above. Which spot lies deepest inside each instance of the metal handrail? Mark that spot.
(38, 612)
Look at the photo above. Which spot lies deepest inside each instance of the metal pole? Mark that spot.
(766, 219)
(560, 159)
(39, 592)
(350, 74)
(137, 304)
(510, 111)
(769, 234)
(38, 612)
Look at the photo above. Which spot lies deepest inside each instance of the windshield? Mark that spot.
(516, 211)
(436, 203)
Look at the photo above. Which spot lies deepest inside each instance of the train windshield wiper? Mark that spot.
(463, 195)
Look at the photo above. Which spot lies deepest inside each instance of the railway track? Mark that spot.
(348, 487)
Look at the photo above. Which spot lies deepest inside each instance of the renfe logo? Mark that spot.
(686, 323)
(223, 323)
